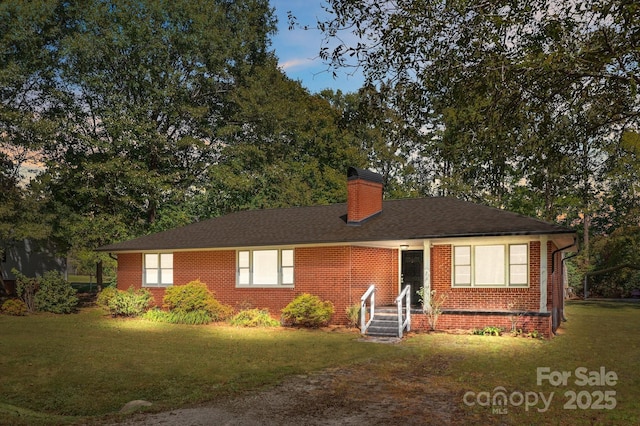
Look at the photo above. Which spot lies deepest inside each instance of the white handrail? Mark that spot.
(369, 294)
(406, 295)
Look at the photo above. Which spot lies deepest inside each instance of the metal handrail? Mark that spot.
(369, 294)
(404, 295)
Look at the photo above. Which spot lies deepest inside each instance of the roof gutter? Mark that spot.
(553, 255)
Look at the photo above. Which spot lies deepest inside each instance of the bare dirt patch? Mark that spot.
(371, 394)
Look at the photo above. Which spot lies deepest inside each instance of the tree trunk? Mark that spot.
(585, 238)
(99, 275)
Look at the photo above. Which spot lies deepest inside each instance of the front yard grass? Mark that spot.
(67, 367)
(83, 367)
(597, 335)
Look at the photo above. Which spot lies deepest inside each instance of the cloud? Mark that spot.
(295, 63)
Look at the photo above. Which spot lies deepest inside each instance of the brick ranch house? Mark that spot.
(493, 265)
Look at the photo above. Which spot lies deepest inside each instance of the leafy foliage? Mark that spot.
(487, 331)
(26, 289)
(15, 307)
(122, 102)
(353, 315)
(55, 294)
(104, 297)
(285, 147)
(520, 104)
(130, 303)
(618, 257)
(307, 310)
(197, 317)
(254, 318)
(193, 297)
(50, 293)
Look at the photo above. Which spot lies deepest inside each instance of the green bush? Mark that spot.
(487, 331)
(50, 293)
(55, 294)
(307, 310)
(178, 317)
(254, 318)
(353, 315)
(195, 296)
(130, 303)
(15, 307)
(104, 297)
(26, 289)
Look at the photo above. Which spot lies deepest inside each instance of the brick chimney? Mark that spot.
(364, 195)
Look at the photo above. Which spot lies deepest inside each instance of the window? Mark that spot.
(265, 267)
(462, 262)
(495, 265)
(158, 270)
(518, 265)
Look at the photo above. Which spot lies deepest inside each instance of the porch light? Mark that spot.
(404, 247)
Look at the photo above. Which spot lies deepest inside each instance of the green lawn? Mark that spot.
(76, 368)
(596, 335)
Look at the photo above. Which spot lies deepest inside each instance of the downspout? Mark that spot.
(564, 319)
(553, 269)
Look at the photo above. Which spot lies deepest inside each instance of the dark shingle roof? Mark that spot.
(405, 219)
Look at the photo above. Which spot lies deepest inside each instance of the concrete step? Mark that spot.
(383, 324)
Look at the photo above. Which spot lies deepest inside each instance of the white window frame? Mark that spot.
(161, 267)
(466, 272)
(255, 269)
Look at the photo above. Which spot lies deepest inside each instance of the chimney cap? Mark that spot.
(355, 173)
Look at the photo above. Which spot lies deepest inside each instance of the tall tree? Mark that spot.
(132, 93)
(283, 147)
(523, 97)
(390, 141)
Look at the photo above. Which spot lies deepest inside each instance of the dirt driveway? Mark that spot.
(359, 395)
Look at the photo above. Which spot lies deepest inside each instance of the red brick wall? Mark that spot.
(129, 270)
(472, 298)
(374, 266)
(340, 274)
(542, 324)
(486, 299)
(364, 198)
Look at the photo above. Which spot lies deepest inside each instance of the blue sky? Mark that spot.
(297, 50)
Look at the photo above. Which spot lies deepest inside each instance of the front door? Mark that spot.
(413, 272)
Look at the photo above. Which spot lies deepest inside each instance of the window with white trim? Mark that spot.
(271, 267)
(158, 270)
(494, 265)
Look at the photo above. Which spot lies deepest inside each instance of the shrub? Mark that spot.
(55, 294)
(105, 296)
(26, 289)
(14, 307)
(307, 310)
(353, 315)
(130, 303)
(432, 308)
(51, 293)
(195, 296)
(487, 331)
(178, 317)
(254, 318)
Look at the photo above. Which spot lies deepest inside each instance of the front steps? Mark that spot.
(384, 323)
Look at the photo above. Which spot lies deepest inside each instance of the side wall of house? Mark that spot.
(339, 274)
(472, 307)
